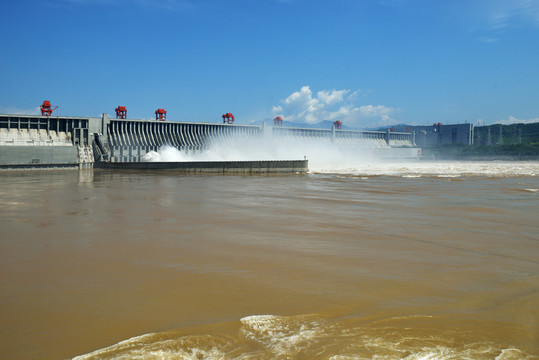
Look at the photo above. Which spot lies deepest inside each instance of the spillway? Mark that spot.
(31, 141)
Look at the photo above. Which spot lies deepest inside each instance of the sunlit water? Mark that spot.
(370, 260)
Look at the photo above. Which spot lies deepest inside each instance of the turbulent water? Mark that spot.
(371, 260)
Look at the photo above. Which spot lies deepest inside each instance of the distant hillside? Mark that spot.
(506, 134)
(506, 142)
(397, 127)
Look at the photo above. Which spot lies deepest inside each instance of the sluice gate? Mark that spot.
(130, 139)
(353, 138)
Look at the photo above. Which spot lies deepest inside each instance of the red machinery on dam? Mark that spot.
(46, 109)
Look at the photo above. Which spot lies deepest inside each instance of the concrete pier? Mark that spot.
(219, 167)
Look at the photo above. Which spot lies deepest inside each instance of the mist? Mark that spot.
(329, 158)
(322, 155)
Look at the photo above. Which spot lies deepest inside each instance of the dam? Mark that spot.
(45, 141)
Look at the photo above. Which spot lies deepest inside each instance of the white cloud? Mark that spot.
(302, 101)
(332, 97)
(491, 18)
(302, 107)
(513, 120)
(488, 40)
(374, 111)
(480, 122)
(501, 14)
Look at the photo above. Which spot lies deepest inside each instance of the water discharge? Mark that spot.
(328, 158)
(321, 154)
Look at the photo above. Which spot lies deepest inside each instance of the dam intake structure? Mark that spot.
(33, 141)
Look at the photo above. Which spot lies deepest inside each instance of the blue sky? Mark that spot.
(366, 63)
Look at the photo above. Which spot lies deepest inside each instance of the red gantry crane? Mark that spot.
(338, 125)
(161, 114)
(121, 112)
(46, 108)
(277, 121)
(228, 118)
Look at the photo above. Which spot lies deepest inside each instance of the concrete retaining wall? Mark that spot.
(39, 156)
(223, 167)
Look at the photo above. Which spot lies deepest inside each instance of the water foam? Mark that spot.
(440, 169)
(165, 346)
(513, 354)
(281, 336)
(311, 337)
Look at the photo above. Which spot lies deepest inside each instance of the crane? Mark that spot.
(161, 114)
(121, 112)
(46, 108)
(228, 118)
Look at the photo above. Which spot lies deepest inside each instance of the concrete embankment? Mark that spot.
(219, 167)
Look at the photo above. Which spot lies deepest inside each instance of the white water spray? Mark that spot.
(321, 154)
(327, 157)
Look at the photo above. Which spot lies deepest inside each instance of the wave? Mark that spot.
(312, 337)
(439, 169)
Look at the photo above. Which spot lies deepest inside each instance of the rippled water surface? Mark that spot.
(433, 260)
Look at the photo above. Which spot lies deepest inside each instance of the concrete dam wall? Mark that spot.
(350, 138)
(129, 140)
(40, 141)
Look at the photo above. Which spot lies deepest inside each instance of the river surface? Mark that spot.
(434, 260)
